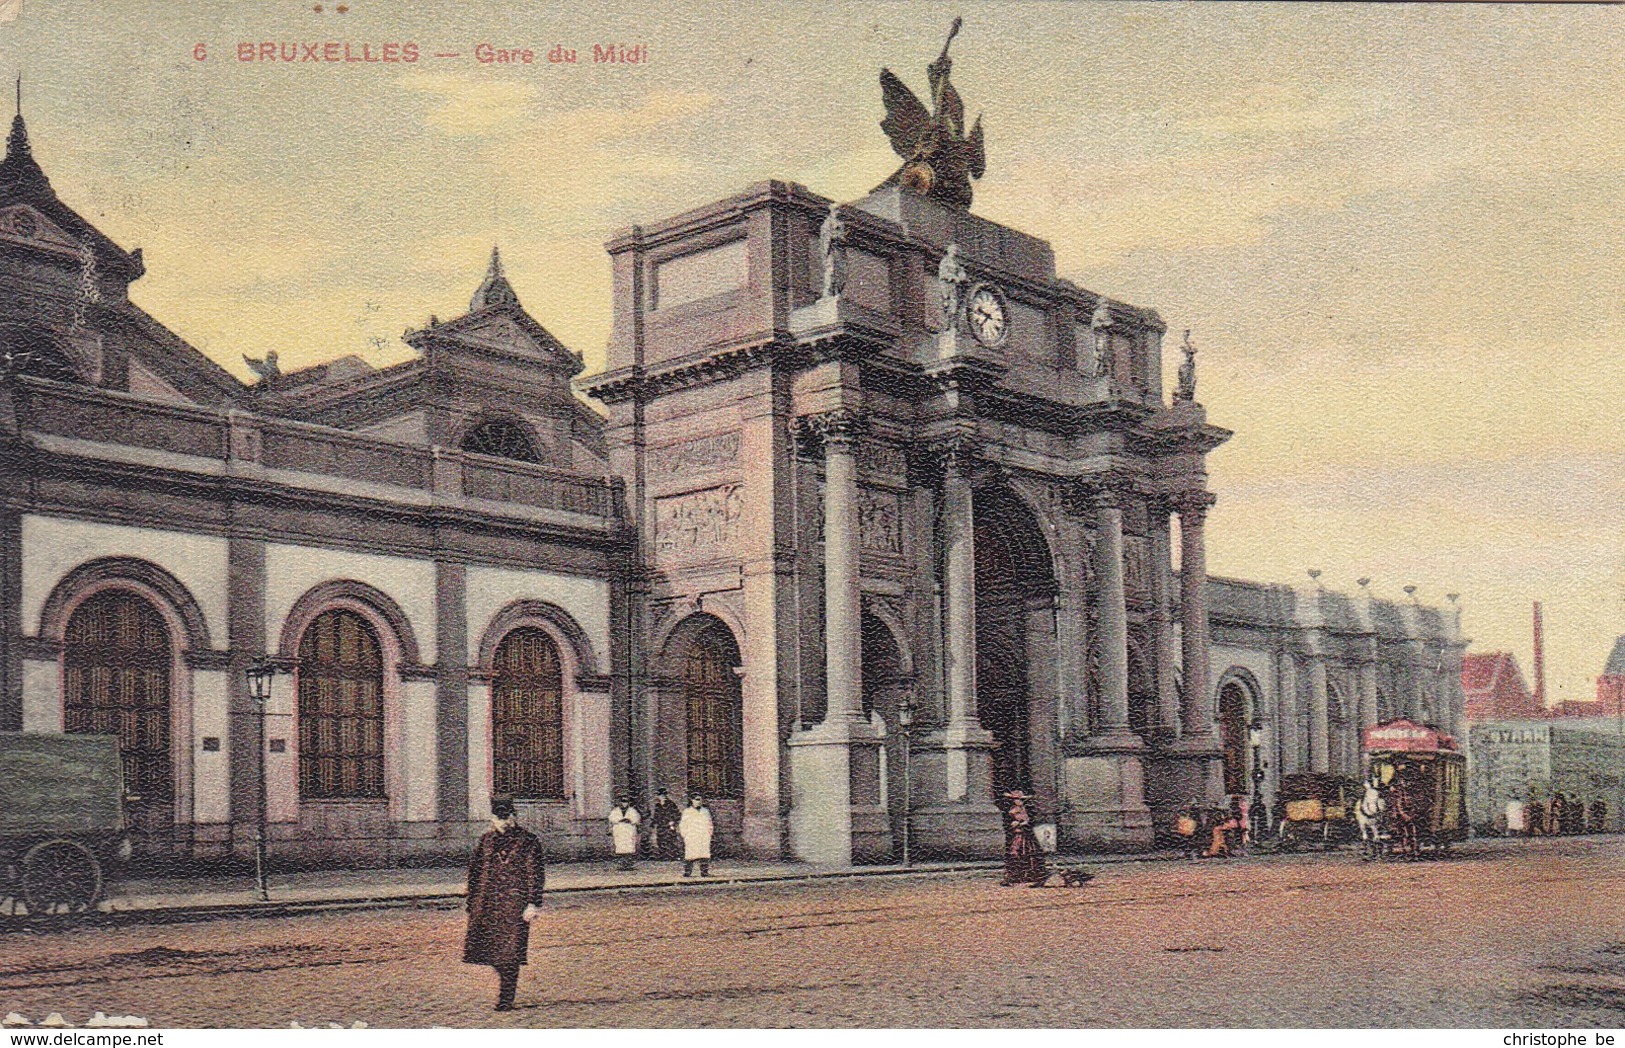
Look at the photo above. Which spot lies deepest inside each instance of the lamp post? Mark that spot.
(905, 723)
(259, 675)
(1259, 817)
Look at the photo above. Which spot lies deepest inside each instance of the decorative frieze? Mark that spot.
(699, 520)
(883, 462)
(717, 451)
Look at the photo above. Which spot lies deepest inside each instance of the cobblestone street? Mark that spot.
(1510, 933)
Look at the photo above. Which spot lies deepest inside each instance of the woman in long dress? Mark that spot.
(1023, 859)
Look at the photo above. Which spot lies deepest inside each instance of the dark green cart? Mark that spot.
(62, 832)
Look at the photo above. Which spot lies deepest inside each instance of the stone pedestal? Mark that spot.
(836, 818)
(954, 815)
(1103, 802)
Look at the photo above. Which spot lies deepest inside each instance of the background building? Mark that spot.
(1528, 761)
(1493, 688)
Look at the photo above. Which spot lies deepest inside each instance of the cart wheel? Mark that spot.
(61, 877)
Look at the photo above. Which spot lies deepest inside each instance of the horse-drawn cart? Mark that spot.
(61, 821)
(1421, 776)
(1317, 810)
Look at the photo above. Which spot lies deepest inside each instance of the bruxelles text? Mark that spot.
(270, 51)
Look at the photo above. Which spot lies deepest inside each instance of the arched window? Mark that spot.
(715, 704)
(503, 438)
(527, 716)
(116, 665)
(341, 709)
(1233, 736)
(31, 352)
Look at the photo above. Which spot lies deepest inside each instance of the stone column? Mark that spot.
(836, 818)
(843, 645)
(1168, 713)
(959, 610)
(1319, 719)
(1196, 712)
(1111, 633)
(1103, 806)
(954, 812)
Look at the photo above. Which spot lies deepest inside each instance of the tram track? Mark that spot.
(161, 963)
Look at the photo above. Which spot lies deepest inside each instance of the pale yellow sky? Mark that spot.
(1396, 230)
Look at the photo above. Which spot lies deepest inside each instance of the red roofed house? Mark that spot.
(1610, 701)
(1495, 688)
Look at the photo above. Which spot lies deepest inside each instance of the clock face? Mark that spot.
(984, 311)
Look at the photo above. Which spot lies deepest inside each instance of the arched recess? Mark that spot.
(542, 704)
(42, 354)
(118, 668)
(397, 650)
(132, 573)
(501, 435)
(1015, 634)
(371, 601)
(154, 817)
(1239, 703)
(548, 615)
(699, 716)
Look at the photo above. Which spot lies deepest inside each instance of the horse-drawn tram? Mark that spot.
(62, 828)
(1417, 781)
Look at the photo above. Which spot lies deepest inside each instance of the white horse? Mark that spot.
(1369, 815)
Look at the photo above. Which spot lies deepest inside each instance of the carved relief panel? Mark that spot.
(1136, 571)
(880, 519)
(700, 522)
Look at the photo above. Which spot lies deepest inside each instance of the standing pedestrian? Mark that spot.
(624, 821)
(696, 827)
(1023, 859)
(505, 881)
(667, 843)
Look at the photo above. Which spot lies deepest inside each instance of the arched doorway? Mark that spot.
(714, 703)
(1014, 575)
(117, 659)
(884, 689)
(527, 716)
(1233, 703)
(341, 709)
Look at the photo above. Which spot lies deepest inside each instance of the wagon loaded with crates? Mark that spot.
(62, 832)
(1317, 811)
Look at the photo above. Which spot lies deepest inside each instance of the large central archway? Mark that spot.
(1015, 632)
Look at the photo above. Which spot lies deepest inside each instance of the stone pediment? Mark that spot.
(25, 225)
(508, 330)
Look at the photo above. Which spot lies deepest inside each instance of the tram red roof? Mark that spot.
(1406, 735)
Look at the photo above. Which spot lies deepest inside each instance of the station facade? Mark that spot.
(940, 488)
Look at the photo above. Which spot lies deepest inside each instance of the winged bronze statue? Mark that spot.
(939, 158)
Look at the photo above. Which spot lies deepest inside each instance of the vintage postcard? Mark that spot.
(859, 514)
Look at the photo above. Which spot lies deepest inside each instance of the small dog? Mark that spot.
(1074, 876)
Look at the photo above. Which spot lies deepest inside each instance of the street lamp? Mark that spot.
(1259, 817)
(259, 674)
(905, 722)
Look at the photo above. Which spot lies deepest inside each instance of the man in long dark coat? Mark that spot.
(505, 881)
(667, 843)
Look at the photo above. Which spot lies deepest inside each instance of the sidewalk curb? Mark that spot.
(179, 914)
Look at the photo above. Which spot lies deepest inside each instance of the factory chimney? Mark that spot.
(1540, 664)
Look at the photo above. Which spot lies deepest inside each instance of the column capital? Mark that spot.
(828, 431)
(1191, 506)
(960, 451)
(1105, 490)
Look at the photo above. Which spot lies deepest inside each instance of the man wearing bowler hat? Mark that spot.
(505, 880)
